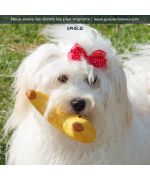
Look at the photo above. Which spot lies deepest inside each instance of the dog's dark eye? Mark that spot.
(63, 78)
(95, 79)
(91, 83)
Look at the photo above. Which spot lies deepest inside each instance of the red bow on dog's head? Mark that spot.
(96, 58)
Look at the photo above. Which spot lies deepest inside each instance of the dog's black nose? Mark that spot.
(78, 104)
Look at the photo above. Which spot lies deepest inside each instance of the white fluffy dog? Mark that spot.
(115, 99)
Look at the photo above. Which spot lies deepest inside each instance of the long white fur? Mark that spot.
(118, 105)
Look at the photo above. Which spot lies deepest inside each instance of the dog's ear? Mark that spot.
(121, 93)
(25, 79)
(25, 75)
(33, 63)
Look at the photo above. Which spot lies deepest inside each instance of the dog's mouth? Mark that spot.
(80, 114)
(66, 107)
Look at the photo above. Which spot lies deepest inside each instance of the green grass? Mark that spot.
(17, 40)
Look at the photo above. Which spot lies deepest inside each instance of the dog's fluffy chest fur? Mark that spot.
(36, 147)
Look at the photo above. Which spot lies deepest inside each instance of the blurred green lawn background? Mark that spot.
(17, 40)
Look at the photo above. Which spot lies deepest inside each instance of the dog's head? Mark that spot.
(77, 86)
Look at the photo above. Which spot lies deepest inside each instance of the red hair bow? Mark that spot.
(96, 58)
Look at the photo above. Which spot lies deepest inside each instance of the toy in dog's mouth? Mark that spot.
(72, 125)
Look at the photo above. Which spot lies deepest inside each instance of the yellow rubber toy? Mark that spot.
(74, 126)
